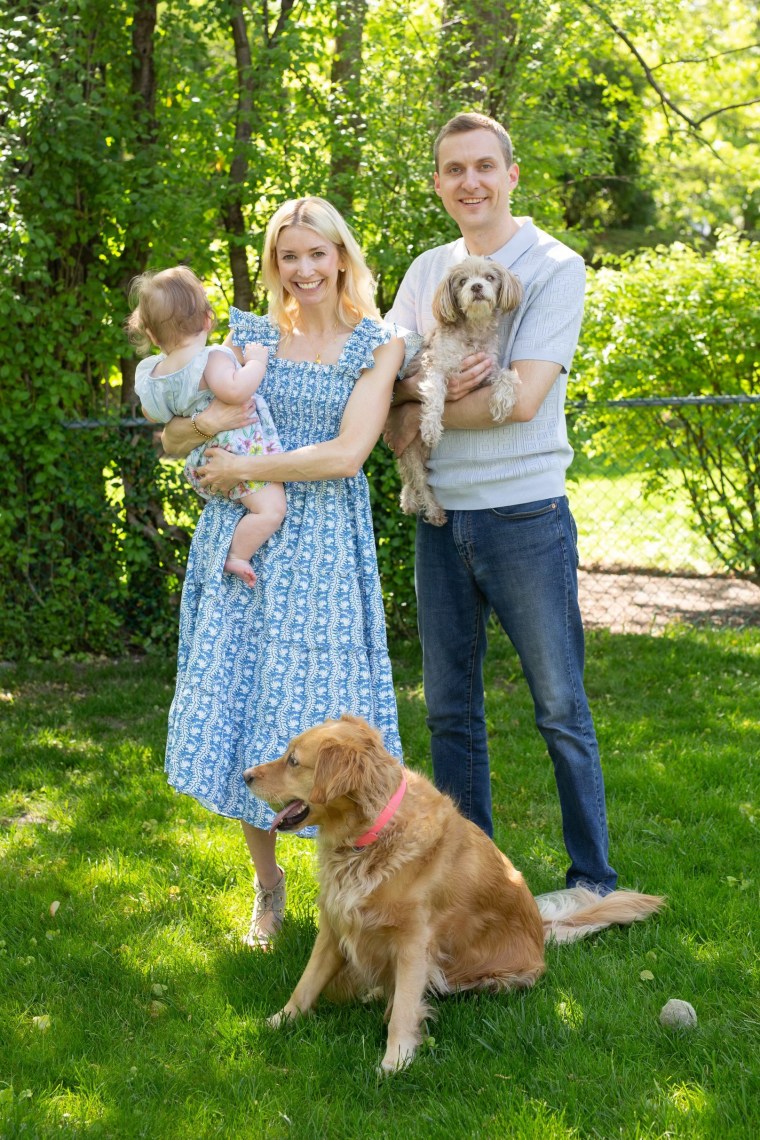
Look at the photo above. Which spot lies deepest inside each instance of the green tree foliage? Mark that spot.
(679, 323)
(135, 135)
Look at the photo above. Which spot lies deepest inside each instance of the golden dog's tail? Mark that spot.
(577, 912)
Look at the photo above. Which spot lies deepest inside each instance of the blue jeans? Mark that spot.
(521, 562)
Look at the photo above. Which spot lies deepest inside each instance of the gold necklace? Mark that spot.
(331, 333)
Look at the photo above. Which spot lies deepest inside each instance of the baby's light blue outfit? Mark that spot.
(180, 394)
(259, 666)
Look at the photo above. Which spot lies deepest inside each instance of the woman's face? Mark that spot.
(308, 265)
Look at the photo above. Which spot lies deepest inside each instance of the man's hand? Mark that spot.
(473, 373)
(401, 427)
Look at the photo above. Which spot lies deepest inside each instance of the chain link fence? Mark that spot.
(666, 494)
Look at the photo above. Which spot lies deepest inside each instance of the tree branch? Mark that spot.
(648, 71)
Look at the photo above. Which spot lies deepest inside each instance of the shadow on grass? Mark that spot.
(157, 1014)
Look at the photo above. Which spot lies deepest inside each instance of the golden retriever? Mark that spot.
(414, 898)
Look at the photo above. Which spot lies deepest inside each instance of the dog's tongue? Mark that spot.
(291, 809)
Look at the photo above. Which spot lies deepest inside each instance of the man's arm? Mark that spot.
(472, 409)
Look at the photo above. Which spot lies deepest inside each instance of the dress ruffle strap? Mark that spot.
(250, 328)
(360, 346)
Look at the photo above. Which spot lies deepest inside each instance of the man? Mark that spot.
(509, 545)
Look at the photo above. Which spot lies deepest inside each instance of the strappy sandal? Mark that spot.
(263, 930)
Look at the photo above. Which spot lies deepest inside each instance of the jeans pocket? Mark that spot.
(574, 534)
(524, 511)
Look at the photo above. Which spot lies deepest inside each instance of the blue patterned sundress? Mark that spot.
(258, 666)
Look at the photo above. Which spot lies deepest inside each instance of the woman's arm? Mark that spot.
(179, 437)
(337, 458)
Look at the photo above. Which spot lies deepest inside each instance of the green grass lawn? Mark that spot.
(128, 1007)
(620, 526)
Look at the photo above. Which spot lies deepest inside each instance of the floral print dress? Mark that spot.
(258, 666)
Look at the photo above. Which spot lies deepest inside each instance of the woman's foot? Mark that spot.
(268, 913)
(241, 569)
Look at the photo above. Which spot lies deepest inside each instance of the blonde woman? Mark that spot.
(258, 667)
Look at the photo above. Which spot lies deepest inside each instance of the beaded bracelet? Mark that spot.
(202, 434)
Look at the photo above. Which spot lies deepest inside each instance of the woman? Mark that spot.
(257, 667)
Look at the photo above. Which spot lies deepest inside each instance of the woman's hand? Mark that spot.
(401, 427)
(474, 372)
(219, 416)
(220, 471)
(179, 437)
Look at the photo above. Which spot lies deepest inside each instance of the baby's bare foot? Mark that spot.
(241, 569)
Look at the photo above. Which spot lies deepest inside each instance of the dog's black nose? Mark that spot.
(477, 287)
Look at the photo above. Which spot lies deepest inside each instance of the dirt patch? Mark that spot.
(647, 603)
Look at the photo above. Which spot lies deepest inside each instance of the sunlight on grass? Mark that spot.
(157, 1014)
(569, 1011)
(688, 1098)
(619, 526)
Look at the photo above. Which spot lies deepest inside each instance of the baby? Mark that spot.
(173, 314)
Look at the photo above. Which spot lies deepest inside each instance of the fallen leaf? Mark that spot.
(158, 990)
(54, 908)
(157, 1008)
(42, 1022)
(646, 976)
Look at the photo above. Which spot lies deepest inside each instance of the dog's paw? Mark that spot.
(277, 1020)
(409, 502)
(503, 395)
(397, 1059)
(436, 516)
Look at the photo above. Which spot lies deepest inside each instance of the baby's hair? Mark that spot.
(172, 304)
(356, 287)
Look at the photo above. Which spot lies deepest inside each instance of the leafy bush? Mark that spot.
(394, 539)
(678, 323)
(92, 565)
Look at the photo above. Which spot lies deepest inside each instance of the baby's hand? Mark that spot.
(257, 352)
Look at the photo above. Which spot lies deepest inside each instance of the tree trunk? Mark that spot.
(479, 46)
(345, 102)
(134, 257)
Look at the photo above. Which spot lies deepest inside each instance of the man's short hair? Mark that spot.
(472, 121)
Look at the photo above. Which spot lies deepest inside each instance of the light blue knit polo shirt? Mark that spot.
(520, 462)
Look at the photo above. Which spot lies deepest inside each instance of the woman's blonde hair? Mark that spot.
(356, 286)
(172, 305)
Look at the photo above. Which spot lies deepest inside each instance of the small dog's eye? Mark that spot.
(490, 276)
(292, 760)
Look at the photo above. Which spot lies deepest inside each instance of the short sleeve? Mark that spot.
(250, 328)
(413, 343)
(368, 335)
(551, 321)
(403, 312)
(150, 393)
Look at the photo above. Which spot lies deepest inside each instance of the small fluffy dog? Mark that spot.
(414, 898)
(468, 306)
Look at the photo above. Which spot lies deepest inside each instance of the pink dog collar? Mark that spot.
(386, 815)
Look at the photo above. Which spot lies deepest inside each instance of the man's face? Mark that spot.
(473, 181)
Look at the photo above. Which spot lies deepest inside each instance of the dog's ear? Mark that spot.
(510, 291)
(345, 761)
(445, 309)
(334, 772)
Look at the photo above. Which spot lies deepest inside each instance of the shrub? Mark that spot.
(679, 323)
